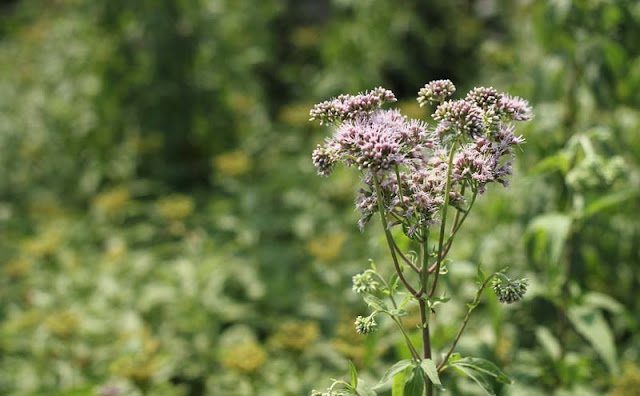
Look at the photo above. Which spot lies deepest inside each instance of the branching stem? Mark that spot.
(443, 221)
(472, 306)
(389, 237)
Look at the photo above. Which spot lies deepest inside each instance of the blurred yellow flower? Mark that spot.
(45, 243)
(295, 335)
(305, 37)
(412, 109)
(347, 342)
(327, 248)
(175, 207)
(628, 384)
(141, 359)
(246, 358)
(116, 249)
(240, 101)
(112, 201)
(18, 267)
(232, 163)
(62, 324)
(296, 114)
(27, 320)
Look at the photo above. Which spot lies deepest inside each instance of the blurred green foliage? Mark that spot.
(162, 230)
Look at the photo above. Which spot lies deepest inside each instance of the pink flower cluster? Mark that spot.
(410, 162)
(348, 107)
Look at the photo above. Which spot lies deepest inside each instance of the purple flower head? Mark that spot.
(436, 92)
(467, 117)
(473, 166)
(381, 139)
(348, 107)
(514, 107)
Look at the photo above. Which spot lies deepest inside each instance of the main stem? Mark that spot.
(426, 342)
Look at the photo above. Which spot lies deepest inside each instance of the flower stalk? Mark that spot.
(411, 174)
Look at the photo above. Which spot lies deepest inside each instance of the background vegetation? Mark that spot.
(163, 232)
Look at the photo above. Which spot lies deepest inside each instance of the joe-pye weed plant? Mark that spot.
(425, 182)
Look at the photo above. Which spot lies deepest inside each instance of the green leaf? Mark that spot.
(397, 389)
(549, 343)
(477, 378)
(395, 369)
(609, 200)
(550, 232)
(429, 368)
(405, 301)
(546, 238)
(375, 303)
(601, 300)
(558, 162)
(433, 301)
(399, 312)
(354, 374)
(415, 386)
(364, 389)
(481, 276)
(590, 323)
(484, 366)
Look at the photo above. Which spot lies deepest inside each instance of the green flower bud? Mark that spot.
(364, 283)
(509, 291)
(366, 325)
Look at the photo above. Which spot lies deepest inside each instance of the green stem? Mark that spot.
(398, 320)
(424, 318)
(456, 228)
(443, 221)
(471, 306)
(412, 349)
(389, 237)
(405, 258)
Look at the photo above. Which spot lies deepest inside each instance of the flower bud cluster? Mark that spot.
(366, 325)
(436, 92)
(466, 117)
(364, 283)
(348, 107)
(509, 291)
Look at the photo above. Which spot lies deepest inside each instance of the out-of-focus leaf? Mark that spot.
(353, 374)
(559, 162)
(375, 303)
(610, 200)
(483, 366)
(364, 389)
(601, 300)
(397, 389)
(590, 323)
(476, 377)
(549, 343)
(549, 233)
